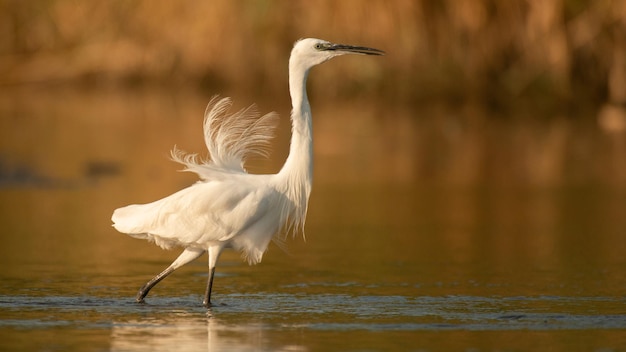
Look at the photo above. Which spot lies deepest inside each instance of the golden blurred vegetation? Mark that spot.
(470, 91)
(547, 53)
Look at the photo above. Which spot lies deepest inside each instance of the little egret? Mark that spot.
(229, 208)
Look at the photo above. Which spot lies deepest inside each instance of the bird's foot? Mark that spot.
(212, 305)
(139, 298)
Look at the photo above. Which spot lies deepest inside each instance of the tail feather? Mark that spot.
(230, 138)
(137, 221)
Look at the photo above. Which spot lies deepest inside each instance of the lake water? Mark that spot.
(427, 231)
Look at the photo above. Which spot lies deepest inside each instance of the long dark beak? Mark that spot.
(356, 49)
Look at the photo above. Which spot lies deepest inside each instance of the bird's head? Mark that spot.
(310, 51)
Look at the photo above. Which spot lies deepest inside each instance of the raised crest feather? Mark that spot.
(231, 138)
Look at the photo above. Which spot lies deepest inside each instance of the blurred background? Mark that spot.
(484, 154)
(484, 117)
(524, 91)
(548, 53)
(499, 115)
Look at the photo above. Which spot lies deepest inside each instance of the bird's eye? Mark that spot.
(320, 46)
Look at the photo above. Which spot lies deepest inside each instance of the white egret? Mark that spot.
(229, 208)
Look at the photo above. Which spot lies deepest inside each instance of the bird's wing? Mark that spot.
(202, 213)
(230, 139)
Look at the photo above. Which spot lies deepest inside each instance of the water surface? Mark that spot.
(399, 254)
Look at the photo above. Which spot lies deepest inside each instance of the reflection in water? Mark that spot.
(179, 333)
(185, 331)
(419, 221)
(257, 322)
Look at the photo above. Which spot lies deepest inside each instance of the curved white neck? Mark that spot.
(297, 172)
(299, 163)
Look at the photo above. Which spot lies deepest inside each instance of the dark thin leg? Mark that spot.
(209, 286)
(143, 291)
(185, 257)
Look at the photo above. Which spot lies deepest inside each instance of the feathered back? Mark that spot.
(230, 139)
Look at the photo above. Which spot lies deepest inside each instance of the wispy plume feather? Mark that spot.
(231, 138)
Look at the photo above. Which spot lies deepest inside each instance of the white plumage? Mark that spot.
(228, 202)
(229, 208)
